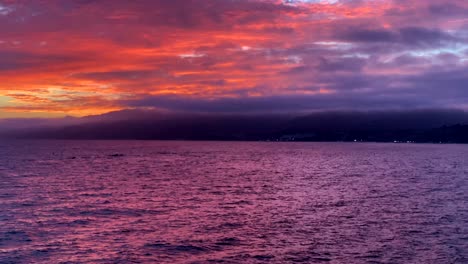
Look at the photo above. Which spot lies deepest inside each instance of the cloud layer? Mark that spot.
(80, 57)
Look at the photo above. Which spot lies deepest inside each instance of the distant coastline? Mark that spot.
(456, 134)
(430, 126)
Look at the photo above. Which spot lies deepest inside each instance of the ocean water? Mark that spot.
(232, 202)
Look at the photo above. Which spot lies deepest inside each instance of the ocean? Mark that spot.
(232, 202)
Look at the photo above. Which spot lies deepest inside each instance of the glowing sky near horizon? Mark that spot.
(82, 57)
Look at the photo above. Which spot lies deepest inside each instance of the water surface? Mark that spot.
(232, 202)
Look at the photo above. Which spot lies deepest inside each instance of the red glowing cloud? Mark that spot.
(88, 57)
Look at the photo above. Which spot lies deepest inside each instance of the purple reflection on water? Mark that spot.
(212, 202)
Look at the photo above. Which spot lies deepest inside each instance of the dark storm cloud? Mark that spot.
(447, 9)
(411, 36)
(118, 75)
(438, 87)
(274, 104)
(19, 60)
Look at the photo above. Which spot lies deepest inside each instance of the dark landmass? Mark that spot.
(422, 126)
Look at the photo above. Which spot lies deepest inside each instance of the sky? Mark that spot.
(89, 57)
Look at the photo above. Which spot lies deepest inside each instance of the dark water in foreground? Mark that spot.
(219, 202)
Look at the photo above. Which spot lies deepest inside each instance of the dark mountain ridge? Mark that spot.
(447, 126)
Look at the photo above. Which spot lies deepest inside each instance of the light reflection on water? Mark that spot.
(231, 202)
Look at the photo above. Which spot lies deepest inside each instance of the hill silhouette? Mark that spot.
(446, 126)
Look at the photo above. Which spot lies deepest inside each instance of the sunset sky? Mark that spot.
(85, 57)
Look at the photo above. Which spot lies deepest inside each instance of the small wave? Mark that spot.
(15, 236)
(264, 257)
(241, 202)
(110, 212)
(80, 222)
(228, 241)
(116, 155)
(229, 225)
(175, 249)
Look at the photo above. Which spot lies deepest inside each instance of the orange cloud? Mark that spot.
(81, 58)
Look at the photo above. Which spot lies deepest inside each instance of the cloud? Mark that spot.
(5, 10)
(231, 56)
(448, 9)
(409, 36)
(23, 60)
